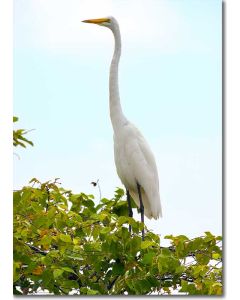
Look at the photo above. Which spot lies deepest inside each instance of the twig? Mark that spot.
(213, 267)
(37, 250)
(112, 283)
(99, 189)
(48, 197)
(27, 131)
(60, 289)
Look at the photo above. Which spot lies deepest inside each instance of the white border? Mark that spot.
(6, 26)
(232, 147)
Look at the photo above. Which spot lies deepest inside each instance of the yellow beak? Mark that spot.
(96, 21)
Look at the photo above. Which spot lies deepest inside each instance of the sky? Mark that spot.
(170, 87)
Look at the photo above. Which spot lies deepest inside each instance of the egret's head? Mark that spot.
(108, 22)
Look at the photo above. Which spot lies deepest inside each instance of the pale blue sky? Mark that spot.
(170, 86)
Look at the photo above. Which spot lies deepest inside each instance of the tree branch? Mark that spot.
(36, 250)
(111, 284)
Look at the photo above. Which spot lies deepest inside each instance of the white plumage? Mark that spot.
(135, 163)
(134, 159)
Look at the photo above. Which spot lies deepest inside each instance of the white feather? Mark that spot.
(135, 163)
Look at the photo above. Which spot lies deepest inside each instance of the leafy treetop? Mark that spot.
(66, 243)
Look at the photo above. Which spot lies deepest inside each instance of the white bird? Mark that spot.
(134, 159)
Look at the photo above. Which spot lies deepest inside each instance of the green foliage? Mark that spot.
(18, 136)
(66, 243)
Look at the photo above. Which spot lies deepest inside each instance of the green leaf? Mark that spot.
(57, 273)
(194, 245)
(180, 269)
(202, 259)
(182, 237)
(200, 270)
(148, 258)
(88, 203)
(209, 234)
(162, 263)
(122, 220)
(92, 292)
(105, 230)
(36, 207)
(69, 284)
(26, 195)
(46, 240)
(216, 256)
(125, 233)
(119, 193)
(169, 237)
(16, 199)
(67, 269)
(146, 244)
(145, 286)
(134, 245)
(40, 222)
(65, 238)
(118, 269)
(16, 273)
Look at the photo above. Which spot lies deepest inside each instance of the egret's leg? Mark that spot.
(130, 213)
(141, 207)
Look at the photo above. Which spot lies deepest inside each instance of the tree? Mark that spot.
(67, 244)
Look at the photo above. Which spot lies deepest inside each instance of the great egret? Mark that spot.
(134, 160)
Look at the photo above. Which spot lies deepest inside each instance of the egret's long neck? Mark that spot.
(116, 114)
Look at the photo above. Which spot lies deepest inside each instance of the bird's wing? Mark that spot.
(141, 159)
(143, 166)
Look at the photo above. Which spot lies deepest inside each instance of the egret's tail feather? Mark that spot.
(149, 211)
